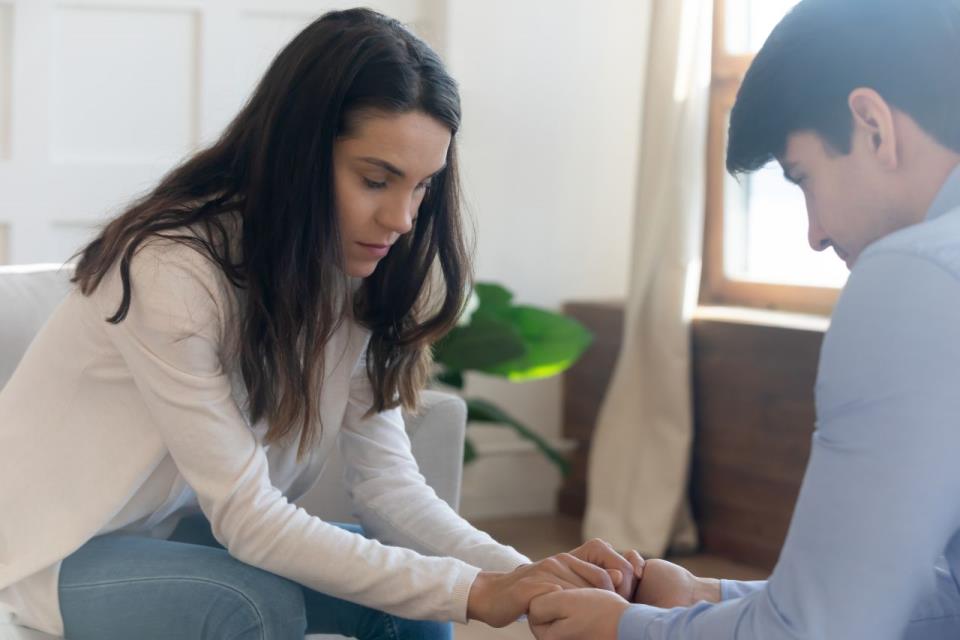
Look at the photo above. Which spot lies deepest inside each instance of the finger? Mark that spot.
(615, 576)
(600, 553)
(637, 562)
(534, 587)
(557, 569)
(593, 575)
(539, 631)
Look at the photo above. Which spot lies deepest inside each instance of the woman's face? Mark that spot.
(382, 170)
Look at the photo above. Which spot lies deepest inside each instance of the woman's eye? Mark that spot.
(373, 184)
(424, 186)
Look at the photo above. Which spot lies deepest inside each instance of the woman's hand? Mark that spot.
(500, 598)
(667, 585)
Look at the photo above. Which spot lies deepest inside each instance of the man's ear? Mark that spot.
(874, 126)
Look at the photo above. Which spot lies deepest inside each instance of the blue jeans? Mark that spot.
(188, 587)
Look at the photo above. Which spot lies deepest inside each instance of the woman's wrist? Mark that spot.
(478, 595)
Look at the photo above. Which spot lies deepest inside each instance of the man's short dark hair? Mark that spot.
(908, 51)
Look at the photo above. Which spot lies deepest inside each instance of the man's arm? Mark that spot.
(878, 503)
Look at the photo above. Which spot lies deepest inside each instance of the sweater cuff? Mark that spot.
(461, 593)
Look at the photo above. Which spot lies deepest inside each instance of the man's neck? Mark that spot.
(931, 181)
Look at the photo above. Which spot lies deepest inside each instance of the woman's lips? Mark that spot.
(376, 250)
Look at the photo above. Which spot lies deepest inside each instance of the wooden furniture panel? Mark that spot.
(754, 417)
(584, 386)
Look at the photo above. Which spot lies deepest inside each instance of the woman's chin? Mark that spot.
(361, 269)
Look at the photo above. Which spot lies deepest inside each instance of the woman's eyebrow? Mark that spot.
(383, 164)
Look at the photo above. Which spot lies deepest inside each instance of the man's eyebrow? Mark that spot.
(383, 164)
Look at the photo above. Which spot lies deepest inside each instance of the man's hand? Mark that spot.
(624, 571)
(587, 614)
(500, 598)
(667, 585)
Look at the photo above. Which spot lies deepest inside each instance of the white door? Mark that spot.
(99, 98)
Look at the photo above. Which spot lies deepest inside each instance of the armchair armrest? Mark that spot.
(436, 436)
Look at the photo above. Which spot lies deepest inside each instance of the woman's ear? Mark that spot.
(874, 123)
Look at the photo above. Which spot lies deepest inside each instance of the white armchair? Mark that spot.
(28, 294)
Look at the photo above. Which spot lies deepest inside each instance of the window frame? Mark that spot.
(717, 288)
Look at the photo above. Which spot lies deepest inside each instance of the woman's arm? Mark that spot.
(391, 497)
(171, 343)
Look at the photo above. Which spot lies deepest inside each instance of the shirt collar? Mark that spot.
(949, 197)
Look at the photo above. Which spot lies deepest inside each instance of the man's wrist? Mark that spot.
(707, 589)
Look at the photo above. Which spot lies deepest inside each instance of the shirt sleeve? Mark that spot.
(171, 341)
(878, 503)
(732, 589)
(391, 497)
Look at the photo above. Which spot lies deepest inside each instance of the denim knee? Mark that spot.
(404, 629)
(266, 607)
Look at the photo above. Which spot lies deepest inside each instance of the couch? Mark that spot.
(28, 294)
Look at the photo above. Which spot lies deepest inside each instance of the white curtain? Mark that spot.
(639, 464)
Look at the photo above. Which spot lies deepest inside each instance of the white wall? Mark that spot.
(99, 98)
(551, 93)
(89, 116)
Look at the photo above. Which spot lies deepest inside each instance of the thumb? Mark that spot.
(616, 576)
(547, 608)
(638, 563)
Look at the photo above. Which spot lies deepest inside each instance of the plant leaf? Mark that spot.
(483, 411)
(495, 299)
(469, 451)
(552, 341)
(451, 379)
(484, 342)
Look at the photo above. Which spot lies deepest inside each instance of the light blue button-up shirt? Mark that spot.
(873, 551)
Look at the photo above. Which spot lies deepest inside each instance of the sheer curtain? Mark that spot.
(639, 464)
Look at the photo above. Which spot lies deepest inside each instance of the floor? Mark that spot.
(541, 536)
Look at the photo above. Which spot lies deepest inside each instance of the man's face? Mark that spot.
(849, 204)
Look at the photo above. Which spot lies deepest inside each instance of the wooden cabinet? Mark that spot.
(754, 417)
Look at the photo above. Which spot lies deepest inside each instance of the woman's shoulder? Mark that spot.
(171, 280)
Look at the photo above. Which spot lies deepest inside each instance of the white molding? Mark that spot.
(6, 73)
(509, 477)
(4, 243)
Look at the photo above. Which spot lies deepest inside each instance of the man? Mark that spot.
(859, 101)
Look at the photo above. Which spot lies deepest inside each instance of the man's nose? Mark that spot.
(816, 236)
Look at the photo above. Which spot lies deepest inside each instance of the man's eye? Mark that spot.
(373, 184)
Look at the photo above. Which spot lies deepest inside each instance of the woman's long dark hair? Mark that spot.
(273, 167)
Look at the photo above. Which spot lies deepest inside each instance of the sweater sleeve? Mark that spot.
(391, 497)
(171, 341)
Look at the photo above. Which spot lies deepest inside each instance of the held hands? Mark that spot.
(595, 615)
(625, 571)
(500, 598)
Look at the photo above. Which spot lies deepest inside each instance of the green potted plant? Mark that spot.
(517, 342)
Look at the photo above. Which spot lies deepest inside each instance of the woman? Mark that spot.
(273, 297)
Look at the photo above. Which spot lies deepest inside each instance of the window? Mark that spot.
(755, 251)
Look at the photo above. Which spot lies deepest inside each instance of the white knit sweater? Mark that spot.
(127, 427)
